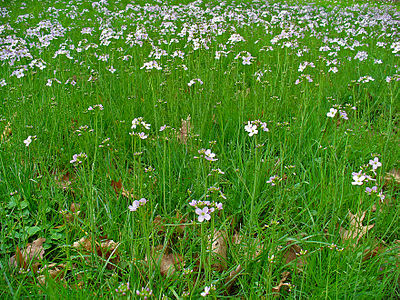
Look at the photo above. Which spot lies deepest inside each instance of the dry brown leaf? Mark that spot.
(55, 271)
(294, 253)
(185, 130)
(169, 262)
(64, 181)
(106, 249)
(117, 186)
(231, 279)
(356, 229)
(33, 252)
(74, 212)
(218, 249)
(393, 176)
(282, 283)
(6, 132)
(374, 251)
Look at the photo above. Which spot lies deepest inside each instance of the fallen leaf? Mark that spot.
(282, 283)
(169, 263)
(74, 212)
(117, 186)
(294, 253)
(374, 251)
(356, 229)
(55, 271)
(218, 249)
(393, 176)
(231, 279)
(185, 130)
(33, 252)
(106, 249)
(6, 132)
(64, 181)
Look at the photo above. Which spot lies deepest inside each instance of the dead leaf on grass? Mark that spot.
(6, 133)
(55, 271)
(169, 263)
(282, 283)
(393, 176)
(185, 130)
(29, 256)
(117, 186)
(356, 229)
(218, 249)
(295, 253)
(64, 181)
(106, 249)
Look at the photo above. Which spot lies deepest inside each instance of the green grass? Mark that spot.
(312, 155)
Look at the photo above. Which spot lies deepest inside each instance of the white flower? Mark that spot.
(332, 112)
(375, 163)
(358, 179)
(29, 140)
(251, 129)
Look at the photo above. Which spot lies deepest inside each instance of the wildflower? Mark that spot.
(112, 69)
(273, 180)
(369, 190)
(29, 140)
(207, 154)
(193, 81)
(123, 288)
(96, 106)
(332, 112)
(251, 129)
(207, 290)
(358, 179)
(137, 203)
(145, 293)
(375, 163)
(78, 158)
(203, 214)
(343, 115)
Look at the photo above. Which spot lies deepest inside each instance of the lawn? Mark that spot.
(181, 150)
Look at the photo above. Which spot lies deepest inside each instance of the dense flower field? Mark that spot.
(175, 149)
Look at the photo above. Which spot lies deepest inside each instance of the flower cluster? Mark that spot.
(340, 111)
(137, 203)
(123, 288)
(215, 190)
(145, 293)
(204, 209)
(78, 158)
(273, 180)
(139, 123)
(365, 79)
(364, 176)
(252, 127)
(207, 290)
(246, 57)
(83, 129)
(105, 143)
(207, 155)
(95, 107)
(395, 77)
(193, 81)
(302, 77)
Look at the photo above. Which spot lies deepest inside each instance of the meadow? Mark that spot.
(206, 149)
